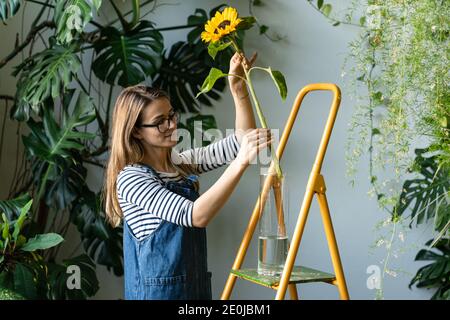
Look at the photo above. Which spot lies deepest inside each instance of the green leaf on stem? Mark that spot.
(71, 17)
(5, 231)
(421, 194)
(246, 23)
(326, 9)
(13, 207)
(183, 70)
(280, 82)
(24, 282)
(50, 73)
(101, 241)
(42, 241)
(62, 274)
(208, 84)
(362, 21)
(214, 48)
(128, 57)
(18, 224)
(319, 3)
(263, 29)
(436, 274)
(48, 140)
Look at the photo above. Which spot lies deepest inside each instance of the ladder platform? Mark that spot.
(300, 274)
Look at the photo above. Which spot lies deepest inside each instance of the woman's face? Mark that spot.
(157, 113)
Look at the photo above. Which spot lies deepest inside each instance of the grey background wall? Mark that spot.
(312, 51)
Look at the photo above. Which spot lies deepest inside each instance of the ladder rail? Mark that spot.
(284, 281)
(315, 172)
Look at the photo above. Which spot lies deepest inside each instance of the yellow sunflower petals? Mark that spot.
(213, 32)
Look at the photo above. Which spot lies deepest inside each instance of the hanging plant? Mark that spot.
(399, 62)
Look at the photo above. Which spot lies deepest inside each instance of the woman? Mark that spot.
(155, 191)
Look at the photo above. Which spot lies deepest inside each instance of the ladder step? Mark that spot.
(300, 274)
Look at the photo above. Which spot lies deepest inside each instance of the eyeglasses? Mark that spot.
(164, 124)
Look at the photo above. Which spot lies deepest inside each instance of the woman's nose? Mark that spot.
(172, 124)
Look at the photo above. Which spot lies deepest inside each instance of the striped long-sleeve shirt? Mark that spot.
(145, 202)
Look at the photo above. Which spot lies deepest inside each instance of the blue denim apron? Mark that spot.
(171, 263)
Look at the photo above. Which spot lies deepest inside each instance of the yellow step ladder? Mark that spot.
(316, 186)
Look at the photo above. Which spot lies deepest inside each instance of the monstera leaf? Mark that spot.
(72, 16)
(423, 194)
(436, 274)
(48, 140)
(102, 242)
(128, 57)
(21, 109)
(8, 8)
(181, 76)
(64, 181)
(13, 207)
(80, 268)
(23, 281)
(206, 122)
(47, 73)
(53, 146)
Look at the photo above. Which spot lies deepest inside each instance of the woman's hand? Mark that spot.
(252, 143)
(211, 201)
(237, 60)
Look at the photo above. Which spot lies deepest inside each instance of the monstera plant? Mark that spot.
(67, 115)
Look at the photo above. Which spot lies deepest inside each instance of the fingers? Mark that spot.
(240, 58)
(258, 132)
(248, 63)
(253, 142)
(264, 144)
(236, 57)
(258, 138)
(253, 58)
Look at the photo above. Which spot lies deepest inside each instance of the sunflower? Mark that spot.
(222, 24)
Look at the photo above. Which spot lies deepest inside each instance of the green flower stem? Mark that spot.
(136, 12)
(235, 75)
(261, 117)
(263, 122)
(235, 46)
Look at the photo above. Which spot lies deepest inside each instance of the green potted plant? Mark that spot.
(66, 111)
(22, 269)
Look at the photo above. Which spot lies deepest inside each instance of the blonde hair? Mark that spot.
(125, 149)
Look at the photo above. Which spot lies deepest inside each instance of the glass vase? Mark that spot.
(273, 240)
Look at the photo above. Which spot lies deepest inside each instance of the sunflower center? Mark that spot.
(223, 24)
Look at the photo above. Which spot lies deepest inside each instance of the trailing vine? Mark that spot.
(398, 74)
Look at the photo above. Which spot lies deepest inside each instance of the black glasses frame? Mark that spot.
(175, 115)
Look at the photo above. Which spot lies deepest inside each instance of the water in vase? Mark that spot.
(272, 255)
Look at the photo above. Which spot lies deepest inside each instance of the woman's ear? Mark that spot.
(136, 133)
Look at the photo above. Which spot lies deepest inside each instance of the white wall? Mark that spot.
(313, 51)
